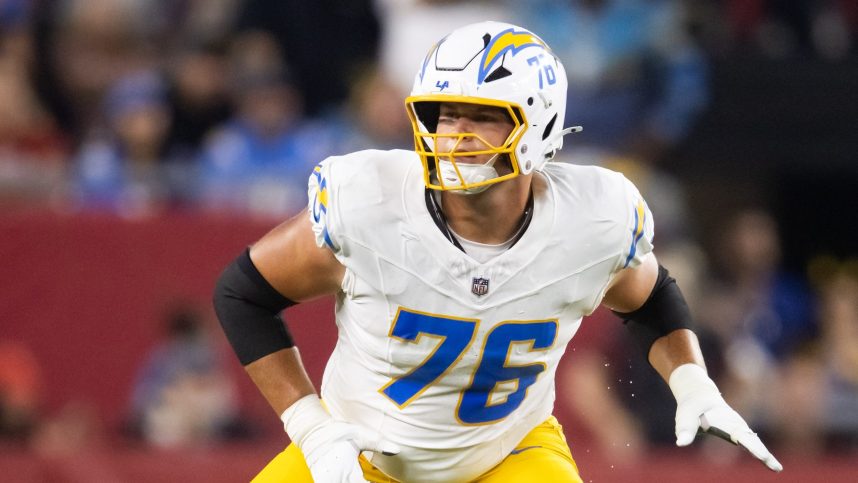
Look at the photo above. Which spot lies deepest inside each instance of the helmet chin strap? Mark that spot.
(470, 173)
(476, 173)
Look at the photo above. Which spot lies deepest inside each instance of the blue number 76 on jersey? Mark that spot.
(455, 336)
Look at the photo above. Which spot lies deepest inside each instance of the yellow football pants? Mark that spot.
(542, 456)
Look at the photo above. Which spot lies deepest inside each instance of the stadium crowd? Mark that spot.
(136, 109)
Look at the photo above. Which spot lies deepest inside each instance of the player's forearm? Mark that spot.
(673, 350)
(249, 308)
(281, 378)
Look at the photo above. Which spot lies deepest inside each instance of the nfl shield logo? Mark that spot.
(480, 286)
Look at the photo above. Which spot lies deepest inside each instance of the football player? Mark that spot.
(461, 271)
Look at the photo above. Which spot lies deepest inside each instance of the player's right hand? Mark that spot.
(699, 406)
(331, 447)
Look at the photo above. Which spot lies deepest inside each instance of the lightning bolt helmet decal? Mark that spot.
(509, 40)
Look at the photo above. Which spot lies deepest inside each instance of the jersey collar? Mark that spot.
(440, 220)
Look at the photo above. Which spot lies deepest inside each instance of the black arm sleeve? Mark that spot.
(248, 308)
(663, 312)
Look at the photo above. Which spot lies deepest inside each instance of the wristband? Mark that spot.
(303, 416)
(688, 379)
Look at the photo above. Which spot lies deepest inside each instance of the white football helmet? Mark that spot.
(494, 64)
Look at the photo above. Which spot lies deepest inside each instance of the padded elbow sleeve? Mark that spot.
(663, 312)
(248, 308)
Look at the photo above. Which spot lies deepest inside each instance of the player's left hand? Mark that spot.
(700, 406)
(331, 447)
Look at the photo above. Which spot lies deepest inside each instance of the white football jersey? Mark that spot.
(450, 358)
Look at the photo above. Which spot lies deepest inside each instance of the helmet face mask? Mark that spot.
(427, 144)
(490, 64)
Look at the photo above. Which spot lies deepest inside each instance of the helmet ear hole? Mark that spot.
(529, 101)
(549, 127)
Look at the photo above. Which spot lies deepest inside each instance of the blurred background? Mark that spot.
(145, 143)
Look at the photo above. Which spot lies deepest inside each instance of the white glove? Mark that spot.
(700, 405)
(331, 447)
